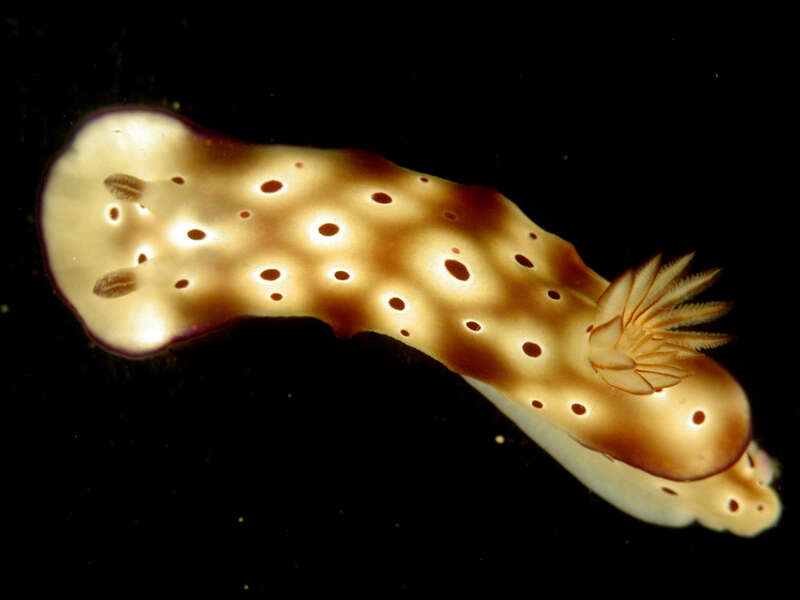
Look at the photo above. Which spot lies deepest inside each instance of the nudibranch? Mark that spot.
(155, 230)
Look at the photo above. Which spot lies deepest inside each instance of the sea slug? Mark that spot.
(155, 230)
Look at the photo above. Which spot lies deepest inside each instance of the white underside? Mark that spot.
(632, 490)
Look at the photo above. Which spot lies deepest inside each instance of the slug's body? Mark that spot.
(155, 231)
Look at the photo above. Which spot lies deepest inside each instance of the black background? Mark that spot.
(274, 455)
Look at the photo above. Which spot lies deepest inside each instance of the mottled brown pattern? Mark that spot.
(229, 229)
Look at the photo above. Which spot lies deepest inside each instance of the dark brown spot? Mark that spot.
(698, 417)
(196, 234)
(397, 303)
(733, 505)
(342, 275)
(524, 261)
(424, 179)
(381, 198)
(270, 274)
(329, 229)
(404, 332)
(533, 235)
(670, 491)
(181, 283)
(124, 187)
(536, 404)
(276, 296)
(457, 269)
(141, 258)
(473, 325)
(578, 409)
(271, 186)
(450, 216)
(115, 284)
(589, 328)
(113, 213)
(178, 180)
(750, 461)
(760, 507)
(554, 294)
(245, 214)
(531, 349)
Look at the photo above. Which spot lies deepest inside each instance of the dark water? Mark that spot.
(274, 454)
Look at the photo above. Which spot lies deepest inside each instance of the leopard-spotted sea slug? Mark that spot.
(155, 230)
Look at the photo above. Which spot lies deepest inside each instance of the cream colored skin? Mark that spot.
(642, 495)
(155, 231)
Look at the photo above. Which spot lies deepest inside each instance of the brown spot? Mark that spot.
(196, 234)
(524, 261)
(115, 284)
(578, 409)
(554, 294)
(329, 229)
(699, 417)
(531, 349)
(113, 213)
(589, 328)
(270, 274)
(271, 186)
(178, 180)
(181, 283)
(141, 258)
(670, 491)
(450, 216)
(245, 214)
(424, 179)
(298, 165)
(457, 269)
(733, 505)
(760, 507)
(533, 235)
(473, 325)
(124, 187)
(381, 198)
(404, 332)
(536, 404)
(750, 461)
(342, 275)
(276, 296)
(397, 303)
(455, 250)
